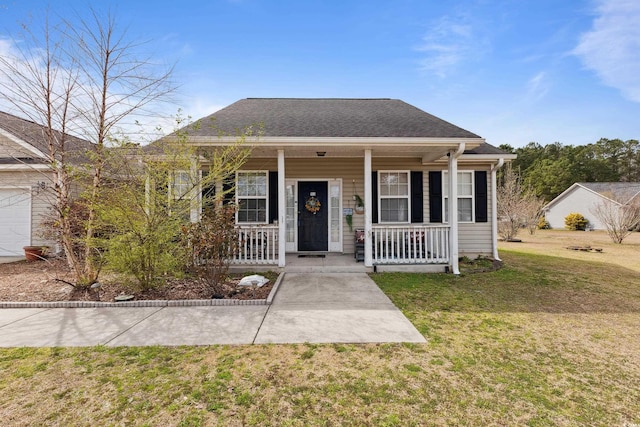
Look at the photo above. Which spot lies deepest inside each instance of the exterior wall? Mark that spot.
(474, 238)
(41, 199)
(577, 200)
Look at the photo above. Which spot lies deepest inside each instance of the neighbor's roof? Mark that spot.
(621, 192)
(34, 134)
(332, 117)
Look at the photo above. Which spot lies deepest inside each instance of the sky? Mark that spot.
(512, 71)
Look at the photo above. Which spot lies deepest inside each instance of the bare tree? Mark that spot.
(618, 219)
(80, 78)
(517, 207)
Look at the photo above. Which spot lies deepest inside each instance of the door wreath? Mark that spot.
(312, 205)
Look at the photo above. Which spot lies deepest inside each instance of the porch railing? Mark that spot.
(414, 244)
(257, 244)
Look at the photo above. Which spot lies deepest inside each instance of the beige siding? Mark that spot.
(474, 238)
(41, 200)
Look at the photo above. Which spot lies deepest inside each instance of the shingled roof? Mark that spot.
(34, 134)
(333, 117)
(621, 192)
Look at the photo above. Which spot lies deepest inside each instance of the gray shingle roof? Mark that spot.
(34, 134)
(335, 117)
(621, 192)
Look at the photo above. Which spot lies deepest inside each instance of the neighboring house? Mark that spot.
(583, 197)
(314, 156)
(25, 181)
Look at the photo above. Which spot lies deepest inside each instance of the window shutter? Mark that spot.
(481, 196)
(435, 196)
(228, 190)
(416, 197)
(374, 197)
(273, 196)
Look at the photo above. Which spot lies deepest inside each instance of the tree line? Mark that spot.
(550, 169)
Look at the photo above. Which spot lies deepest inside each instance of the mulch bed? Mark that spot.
(43, 281)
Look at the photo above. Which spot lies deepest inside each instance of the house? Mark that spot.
(316, 158)
(25, 182)
(583, 197)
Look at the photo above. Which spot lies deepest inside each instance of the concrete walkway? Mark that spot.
(316, 308)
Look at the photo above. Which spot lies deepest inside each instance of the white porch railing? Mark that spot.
(257, 244)
(411, 244)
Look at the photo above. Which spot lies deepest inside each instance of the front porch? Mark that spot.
(423, 248)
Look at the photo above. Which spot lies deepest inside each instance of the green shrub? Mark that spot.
(575, 221)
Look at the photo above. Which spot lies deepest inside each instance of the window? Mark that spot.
(393, 191)
(181, 184)
(251, 196)
(465, 196)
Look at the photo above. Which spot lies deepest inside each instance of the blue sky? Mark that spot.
(510, 71)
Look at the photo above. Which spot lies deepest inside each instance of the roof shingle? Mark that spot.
(330, 117)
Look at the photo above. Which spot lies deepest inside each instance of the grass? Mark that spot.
(547, 340)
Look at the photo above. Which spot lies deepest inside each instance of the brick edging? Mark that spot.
(146, 303)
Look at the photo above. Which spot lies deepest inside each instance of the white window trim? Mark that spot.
(175, 194)
(266, 197)
(408, 197)
(445, 189)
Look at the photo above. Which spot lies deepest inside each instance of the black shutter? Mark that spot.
(481, 196)
(273, 196)
(374, 197)
(416, 197)
(228, 190)
(435, 196)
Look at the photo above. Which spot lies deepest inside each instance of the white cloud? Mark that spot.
(611, 48)
(538, 86)
(449, 44)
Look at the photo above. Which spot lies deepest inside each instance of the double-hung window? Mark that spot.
(393, 191)
(465, 195)
(251, 196)
(181, 184)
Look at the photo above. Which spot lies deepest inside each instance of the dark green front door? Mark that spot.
(313, 208)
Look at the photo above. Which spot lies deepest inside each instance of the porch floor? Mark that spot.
(330, 263)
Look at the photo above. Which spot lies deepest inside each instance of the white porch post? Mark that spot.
(494, 208)
(282, 244)
(196, 192)
(453, 207)
(368, 204)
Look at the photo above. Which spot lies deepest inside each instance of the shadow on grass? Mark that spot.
(527, 283)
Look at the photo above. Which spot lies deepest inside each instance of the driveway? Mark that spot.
(315, 308)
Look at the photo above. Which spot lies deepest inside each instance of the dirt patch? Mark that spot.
(44, 281)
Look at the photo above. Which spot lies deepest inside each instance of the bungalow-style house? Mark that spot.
(370, 177)
(583, 197)
(25, 180)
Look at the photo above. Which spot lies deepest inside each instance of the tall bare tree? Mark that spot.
(81, 77)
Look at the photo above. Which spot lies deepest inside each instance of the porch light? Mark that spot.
(320, 153)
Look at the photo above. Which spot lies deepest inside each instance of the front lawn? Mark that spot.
(544, 341)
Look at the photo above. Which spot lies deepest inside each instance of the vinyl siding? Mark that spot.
(578, 200)
(475, 238)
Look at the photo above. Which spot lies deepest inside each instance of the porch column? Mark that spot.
(368, 205)
(453, 207)
(282, 244)
(494, 208)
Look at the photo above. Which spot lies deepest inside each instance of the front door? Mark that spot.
(313, 215)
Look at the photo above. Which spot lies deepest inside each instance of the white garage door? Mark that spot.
(15, 221)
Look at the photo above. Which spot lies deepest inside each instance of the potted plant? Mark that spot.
(359, 204)
(35, 253)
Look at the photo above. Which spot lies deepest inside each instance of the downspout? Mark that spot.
(494, 208)
(453, 207)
